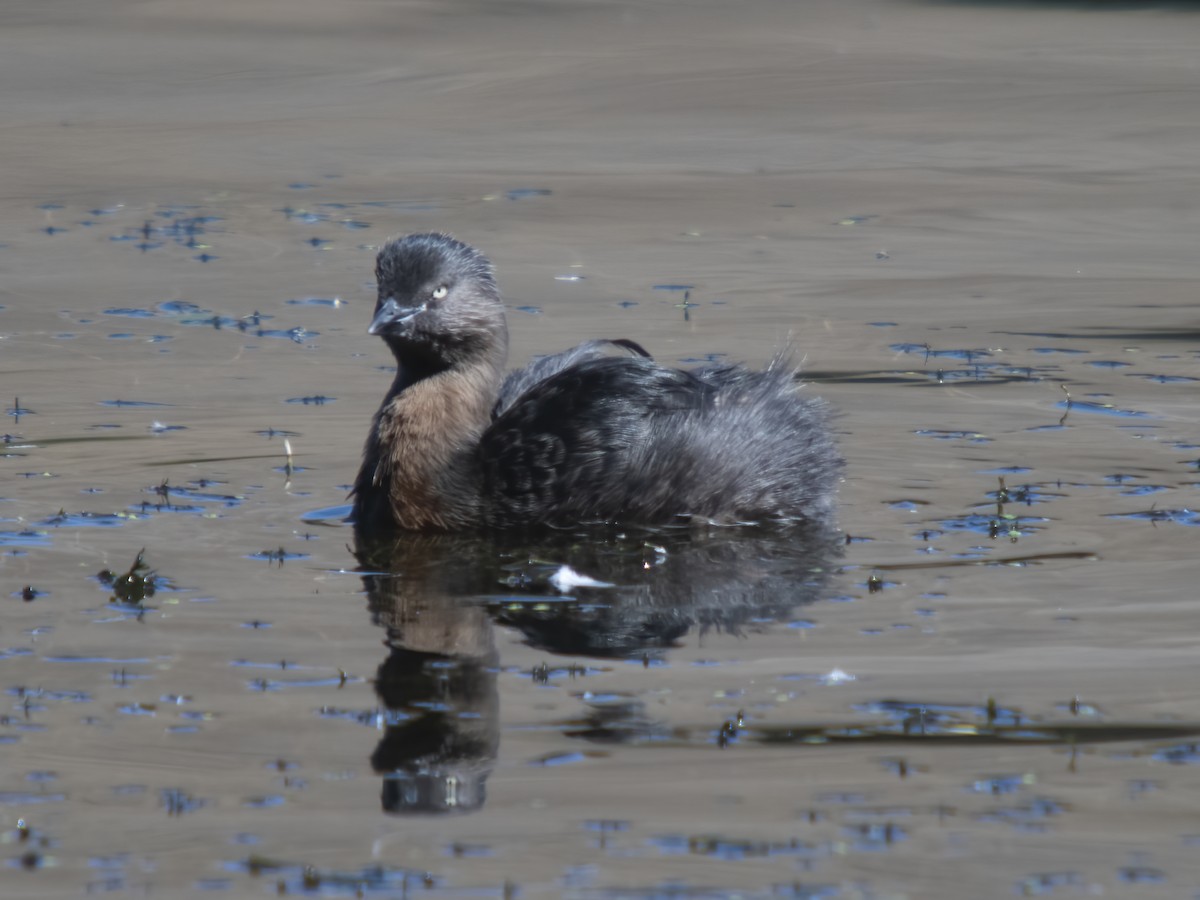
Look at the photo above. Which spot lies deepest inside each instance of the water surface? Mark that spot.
(975, 222)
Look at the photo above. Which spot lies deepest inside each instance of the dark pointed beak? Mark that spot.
(392, 317)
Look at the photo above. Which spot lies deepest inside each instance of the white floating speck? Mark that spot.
(837, 676)
(567, 578)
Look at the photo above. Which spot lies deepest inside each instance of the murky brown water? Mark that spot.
(953, 209)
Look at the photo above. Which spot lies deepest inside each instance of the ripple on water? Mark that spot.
(403, 205)
(330, 302)
(107, 660)
(1166, 379)
(1027, 494)
(1100, 409)
(527, 193)
(463, 850)
(312, 400)
(730, 849)
(559, 759)
(296, 335)
(178, 802)
(266, 802)
(1048, 883)
(88, 520)
(213, 884)
(1144, 489)
(1180, 754)
(296, 879)
(141, 404)
(194, 495)
(180, 308)
(1181, 516)
(371, 718)
(328, 515)
(992, 525)
(998, 785)
(875, 837)
(24, 538)
(938, 434)
(20, 798)
(279, 556)
(927, 351)
(1141, 875)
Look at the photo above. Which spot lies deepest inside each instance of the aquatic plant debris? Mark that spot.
(133, 587)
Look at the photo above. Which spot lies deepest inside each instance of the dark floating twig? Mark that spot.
(1002, 561)
(1071, 733)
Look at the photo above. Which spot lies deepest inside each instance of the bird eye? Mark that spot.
(439, 292)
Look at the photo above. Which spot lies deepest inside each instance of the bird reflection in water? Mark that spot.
(439, 597)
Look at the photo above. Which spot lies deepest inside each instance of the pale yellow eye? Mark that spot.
(439, 292)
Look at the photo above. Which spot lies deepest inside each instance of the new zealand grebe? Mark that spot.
(579, 437)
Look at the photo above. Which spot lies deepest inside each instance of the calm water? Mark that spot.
(976, 222)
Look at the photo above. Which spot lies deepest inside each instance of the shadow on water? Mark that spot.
(610, 594)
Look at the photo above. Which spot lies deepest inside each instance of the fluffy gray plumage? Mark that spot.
(582, 436)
